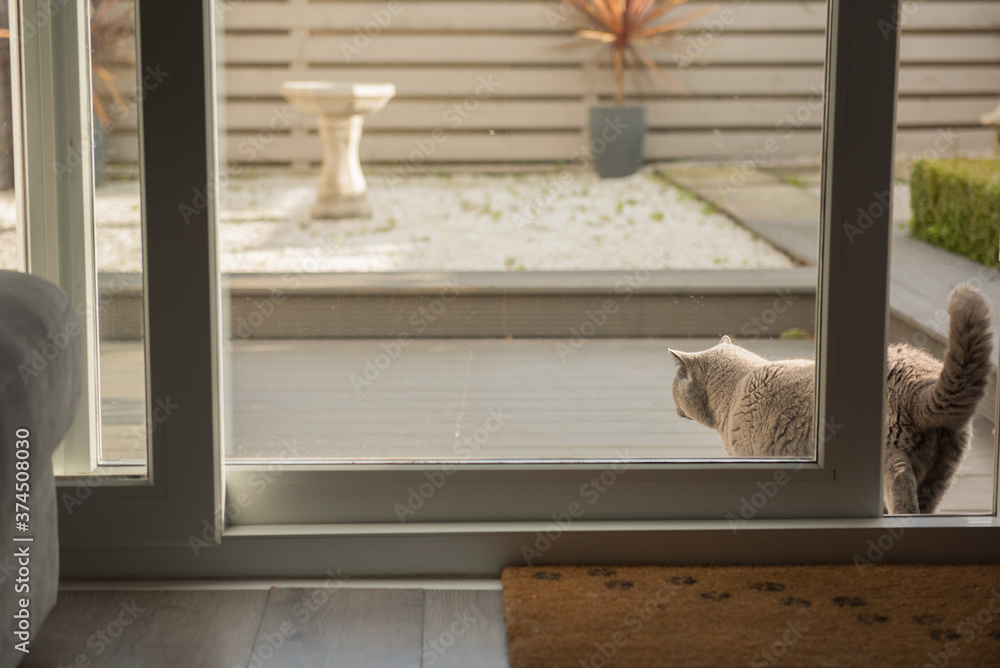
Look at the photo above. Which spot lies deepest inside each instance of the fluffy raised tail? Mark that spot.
(952, 399)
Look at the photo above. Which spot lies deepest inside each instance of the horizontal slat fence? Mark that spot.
(526, 97)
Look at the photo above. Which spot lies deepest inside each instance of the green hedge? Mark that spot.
(956, 206)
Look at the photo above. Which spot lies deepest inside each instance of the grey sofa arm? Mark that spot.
(40, 377)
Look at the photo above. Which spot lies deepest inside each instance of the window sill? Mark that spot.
(482, 550)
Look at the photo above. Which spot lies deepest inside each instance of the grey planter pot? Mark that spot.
(616, 139)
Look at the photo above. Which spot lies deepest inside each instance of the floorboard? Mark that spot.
(337, 627)
(464, 629)
(152, 629)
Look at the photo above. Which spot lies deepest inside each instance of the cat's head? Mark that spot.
(706, 379)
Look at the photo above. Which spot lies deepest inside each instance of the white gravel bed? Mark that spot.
(563, 220)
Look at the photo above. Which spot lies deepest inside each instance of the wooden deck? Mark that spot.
(501, 304)
(467, 399)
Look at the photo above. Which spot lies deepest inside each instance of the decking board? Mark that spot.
(294, 400)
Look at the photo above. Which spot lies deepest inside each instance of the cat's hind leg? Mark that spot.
(899, 486)
(939, 477)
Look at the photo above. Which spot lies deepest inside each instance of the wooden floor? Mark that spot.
(364, 400)
(326, 625)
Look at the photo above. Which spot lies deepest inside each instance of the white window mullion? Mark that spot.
(858, 153)
(178, 494)
(53, 136)
(175, 533)
(846, 482)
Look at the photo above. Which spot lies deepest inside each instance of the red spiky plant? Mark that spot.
(630, 26)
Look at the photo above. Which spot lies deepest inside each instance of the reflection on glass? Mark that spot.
(11, 242)
(117, 93)
(503, 301)
(944, 161)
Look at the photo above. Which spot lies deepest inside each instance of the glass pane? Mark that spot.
(11, 239)
(472, 288)
(945, 234)
(117, 92)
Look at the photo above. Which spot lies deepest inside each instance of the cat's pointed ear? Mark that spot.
(726, 339)
(681, 357)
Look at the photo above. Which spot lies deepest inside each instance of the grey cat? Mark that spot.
(764, 408)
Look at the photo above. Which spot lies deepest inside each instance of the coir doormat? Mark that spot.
(727, 617)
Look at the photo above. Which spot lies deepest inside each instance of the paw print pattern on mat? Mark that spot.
(768, 586)
(715, 596)
(546, 575)
(795, 602)
(940, 635)
(686, 580)
(619, 584)
(849, 601)
(927, 620)
(872, 619)
(601, 572)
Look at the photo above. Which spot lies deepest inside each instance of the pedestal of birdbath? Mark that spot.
(340, 108)
(993, 118)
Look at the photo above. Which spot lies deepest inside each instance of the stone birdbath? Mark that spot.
(993, 118)
(340, 108)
